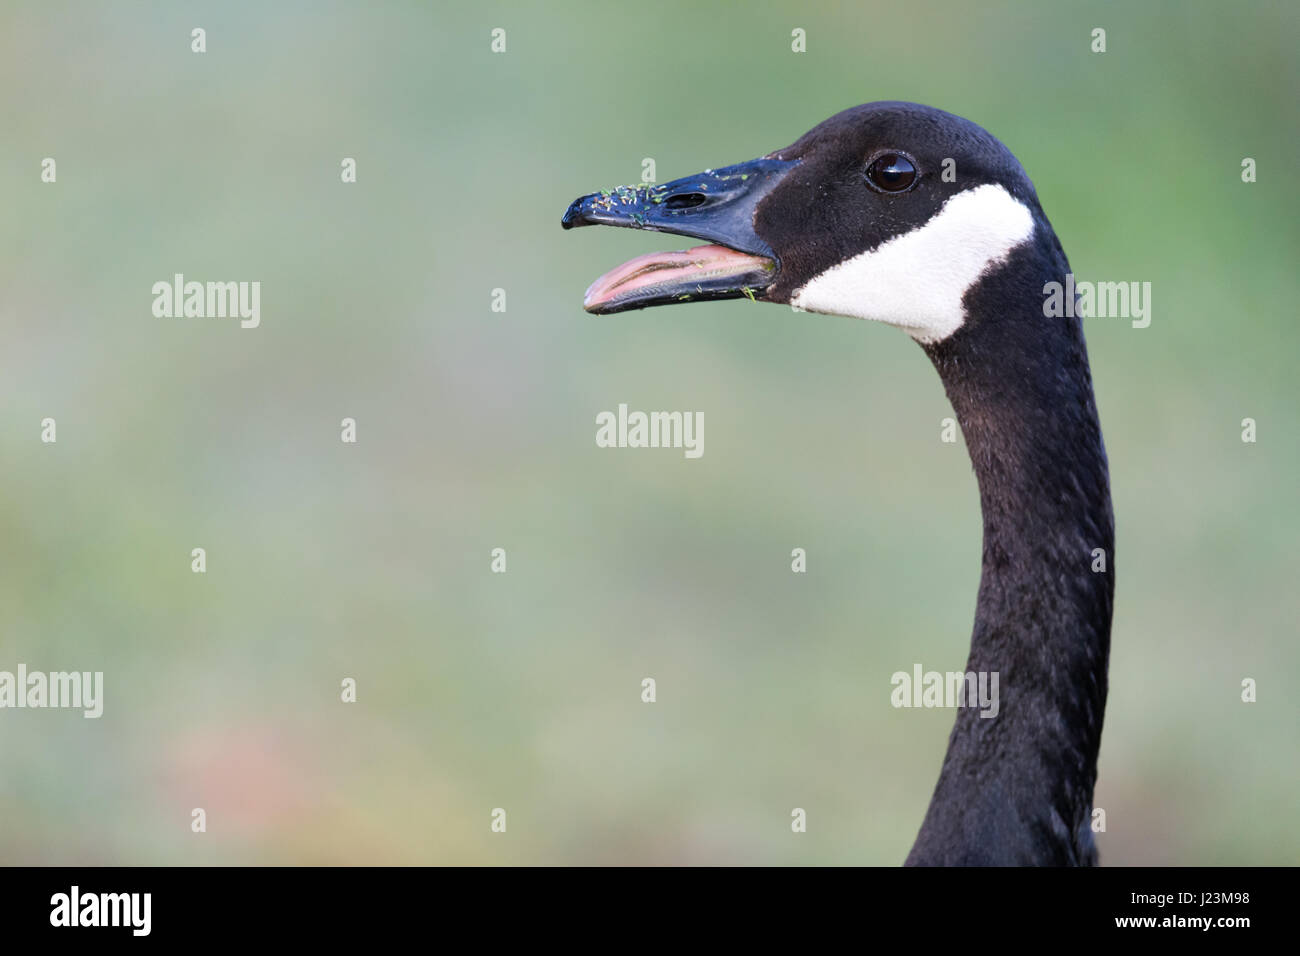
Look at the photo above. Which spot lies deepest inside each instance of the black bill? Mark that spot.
(716, 205)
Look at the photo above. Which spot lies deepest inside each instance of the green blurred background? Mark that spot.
(476, 431)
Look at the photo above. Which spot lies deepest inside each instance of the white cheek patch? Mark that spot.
(916, 281)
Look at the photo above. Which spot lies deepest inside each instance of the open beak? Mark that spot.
(717, 205)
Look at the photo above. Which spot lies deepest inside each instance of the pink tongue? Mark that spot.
(670, 268)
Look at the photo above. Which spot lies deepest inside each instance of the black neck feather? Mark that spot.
(1017, 788)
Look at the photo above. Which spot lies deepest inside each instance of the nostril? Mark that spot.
(684, 200)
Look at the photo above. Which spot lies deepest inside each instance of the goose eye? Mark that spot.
(891, 173)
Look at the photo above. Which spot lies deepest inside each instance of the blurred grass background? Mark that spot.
(476, 431)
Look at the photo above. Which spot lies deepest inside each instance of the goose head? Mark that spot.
(917, 218)
(889, 211)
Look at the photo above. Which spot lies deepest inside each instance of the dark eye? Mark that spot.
(891, 173)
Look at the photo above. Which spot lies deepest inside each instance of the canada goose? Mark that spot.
(915, 217)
